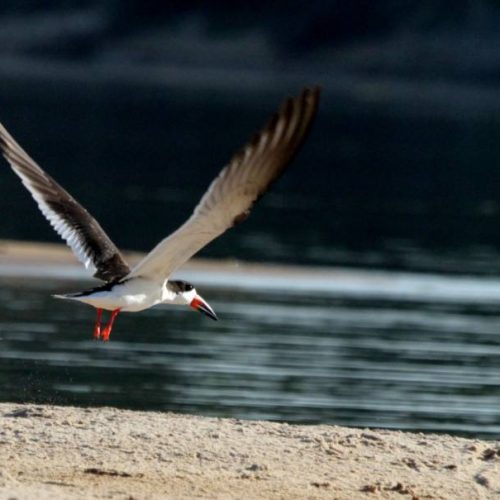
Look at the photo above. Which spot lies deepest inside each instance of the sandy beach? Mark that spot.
(65, 452)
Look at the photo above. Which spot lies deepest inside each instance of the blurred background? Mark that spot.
(134, 106)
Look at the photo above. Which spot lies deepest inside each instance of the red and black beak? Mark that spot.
(200, 305)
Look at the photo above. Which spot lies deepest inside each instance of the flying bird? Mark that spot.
(226, 203)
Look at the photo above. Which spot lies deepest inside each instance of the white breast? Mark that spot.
(132, 295)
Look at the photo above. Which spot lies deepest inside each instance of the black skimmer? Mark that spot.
(226, 203)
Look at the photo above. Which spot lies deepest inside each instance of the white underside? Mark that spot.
(132, 296)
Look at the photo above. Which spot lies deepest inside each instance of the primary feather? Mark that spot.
(73, 223)
(238, 186)
(227, 202)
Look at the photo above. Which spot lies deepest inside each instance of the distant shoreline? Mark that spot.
(51, 452)
(79, 453)
(31, 253)
(33, 260)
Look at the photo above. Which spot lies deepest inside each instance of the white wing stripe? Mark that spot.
(72, 222)
(64, 230)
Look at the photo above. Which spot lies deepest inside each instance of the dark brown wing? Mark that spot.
(73, 223)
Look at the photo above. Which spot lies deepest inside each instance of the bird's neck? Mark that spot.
(167, 295)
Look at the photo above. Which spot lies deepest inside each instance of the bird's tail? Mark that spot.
(67, 296)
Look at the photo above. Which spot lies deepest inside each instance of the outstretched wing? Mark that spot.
(73, 223)
(239, 185)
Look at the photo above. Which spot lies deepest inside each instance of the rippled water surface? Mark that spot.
(379, 349)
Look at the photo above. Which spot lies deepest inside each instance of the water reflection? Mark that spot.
(328, 357)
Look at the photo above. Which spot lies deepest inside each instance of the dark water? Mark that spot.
(375, 349)
(398, 174)
(372, 187)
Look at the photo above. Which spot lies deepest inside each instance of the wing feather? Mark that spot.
(238, 186)
(71, 221)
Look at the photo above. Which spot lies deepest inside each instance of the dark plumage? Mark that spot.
(227, 202)
(73, 222)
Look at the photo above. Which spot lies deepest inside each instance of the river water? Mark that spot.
(360, 348)
(409, 338)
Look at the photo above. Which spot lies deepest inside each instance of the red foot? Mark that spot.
(97, 327)
(105, 334)
(107, 330)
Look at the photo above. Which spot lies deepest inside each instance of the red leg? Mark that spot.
(109, 326)
(97, 327)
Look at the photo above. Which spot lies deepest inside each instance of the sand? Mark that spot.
(67, 453)
(63, 452)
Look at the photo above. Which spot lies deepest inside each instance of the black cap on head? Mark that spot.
(180, 286)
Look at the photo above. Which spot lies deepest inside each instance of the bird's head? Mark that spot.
(185, 293)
